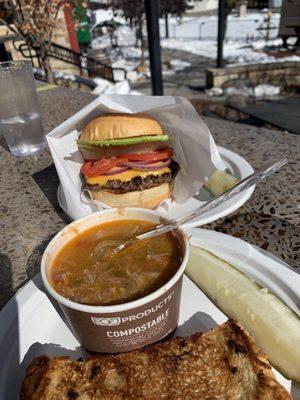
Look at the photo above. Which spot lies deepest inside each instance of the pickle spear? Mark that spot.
(275, 327)
(219, 182)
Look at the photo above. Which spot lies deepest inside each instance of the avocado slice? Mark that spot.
(86, 144)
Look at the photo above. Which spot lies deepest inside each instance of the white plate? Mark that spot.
(32, 325)
(236, 164)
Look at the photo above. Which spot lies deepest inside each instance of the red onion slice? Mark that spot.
(117, 170)
(146, 167)
(143, 162)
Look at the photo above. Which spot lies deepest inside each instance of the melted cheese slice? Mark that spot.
(124, 176)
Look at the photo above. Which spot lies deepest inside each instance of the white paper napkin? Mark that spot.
(194, 147)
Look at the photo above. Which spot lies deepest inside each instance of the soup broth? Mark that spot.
(85, 271)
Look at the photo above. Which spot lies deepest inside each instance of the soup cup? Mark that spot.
(127, 326)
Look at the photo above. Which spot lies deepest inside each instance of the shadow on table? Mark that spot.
(6, 280)
(48, 181)
(33, 267)
(3, 142)
(9, 323)
(33, 263)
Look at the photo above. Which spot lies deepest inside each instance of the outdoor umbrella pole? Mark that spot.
(221, 27)
(154, 46)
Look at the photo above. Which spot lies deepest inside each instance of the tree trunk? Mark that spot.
(227, 12)
(297, 44)
(46, 65)
(140, 30)
(136, 33)
(43, 53)
(41, 49)
(143, 53)
(111, 36)
(48, 70)
(167, 25)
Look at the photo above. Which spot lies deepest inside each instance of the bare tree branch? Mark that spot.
(3, 22)
(34, 21)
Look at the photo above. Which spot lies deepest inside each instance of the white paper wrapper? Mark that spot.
(194, 147)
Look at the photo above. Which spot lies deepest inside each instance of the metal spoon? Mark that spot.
(244, 184)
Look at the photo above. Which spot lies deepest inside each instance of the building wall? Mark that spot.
(203, 5)
(61, 36)
(275, 3)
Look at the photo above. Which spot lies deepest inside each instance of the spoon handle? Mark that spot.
(244, 184)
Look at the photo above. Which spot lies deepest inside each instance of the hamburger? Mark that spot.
(128, 160)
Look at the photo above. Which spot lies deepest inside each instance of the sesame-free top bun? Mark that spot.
(118, 126)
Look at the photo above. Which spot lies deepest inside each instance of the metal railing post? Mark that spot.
(154, 46)
(221, 28)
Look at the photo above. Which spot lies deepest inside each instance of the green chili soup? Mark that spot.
(85, 271)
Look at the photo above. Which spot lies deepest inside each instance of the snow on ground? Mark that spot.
(107, 15)
(58, 75)
(263, 90)
(266, 90)
(259, 91)
(128, 57)
(124, 36)
(179, 65)
(244, 41)
(198, 35)
(205, 27)
(64, 76)
(104, 86)
(125, 57)
(235, 52)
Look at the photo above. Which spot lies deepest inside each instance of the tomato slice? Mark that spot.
(95, 168)
(157, 155)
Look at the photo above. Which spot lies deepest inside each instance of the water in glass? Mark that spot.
(20, 116)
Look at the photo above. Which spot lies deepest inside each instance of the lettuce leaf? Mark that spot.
(85, 144)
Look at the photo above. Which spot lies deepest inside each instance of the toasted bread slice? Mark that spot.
(223, 363)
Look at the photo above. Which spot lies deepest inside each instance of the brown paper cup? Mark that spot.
(124, 327)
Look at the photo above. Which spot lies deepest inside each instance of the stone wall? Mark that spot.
(277, 73)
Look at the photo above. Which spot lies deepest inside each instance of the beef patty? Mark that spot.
(138, 183)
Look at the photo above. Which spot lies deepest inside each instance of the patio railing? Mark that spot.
(92, 66)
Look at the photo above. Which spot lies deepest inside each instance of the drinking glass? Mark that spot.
(20, 115)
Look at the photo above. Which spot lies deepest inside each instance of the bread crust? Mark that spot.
(118, 126)
(146, 198)
(223, 363)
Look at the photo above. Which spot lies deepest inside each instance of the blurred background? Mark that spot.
(234, 59)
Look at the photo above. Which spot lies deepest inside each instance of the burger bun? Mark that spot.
(146, 198)
(119, 126)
